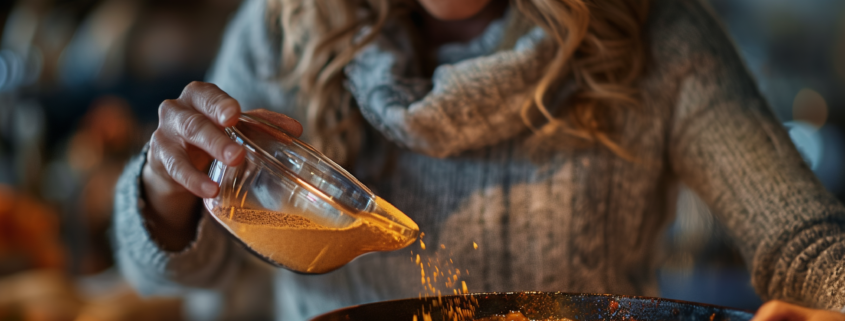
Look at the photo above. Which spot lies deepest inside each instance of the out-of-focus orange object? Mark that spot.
(105, 139)
(108, 131)
(38, 295)
(49, 295)
(111, 120)
(29, 230)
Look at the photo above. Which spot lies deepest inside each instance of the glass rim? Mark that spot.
(278, 167)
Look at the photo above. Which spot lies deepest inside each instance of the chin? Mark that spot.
(453, 9)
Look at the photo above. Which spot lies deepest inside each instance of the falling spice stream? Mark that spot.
(437, 275)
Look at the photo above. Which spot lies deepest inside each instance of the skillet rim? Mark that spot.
(553, 293)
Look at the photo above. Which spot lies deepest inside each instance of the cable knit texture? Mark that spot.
(465, 105)
(580, 221)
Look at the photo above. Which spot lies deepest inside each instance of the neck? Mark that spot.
(437, 32)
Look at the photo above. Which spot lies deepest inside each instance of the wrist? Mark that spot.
(171, 214)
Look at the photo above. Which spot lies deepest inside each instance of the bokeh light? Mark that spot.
(807, 140)
(809, 106)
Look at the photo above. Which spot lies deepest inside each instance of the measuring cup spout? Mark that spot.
(395, 220)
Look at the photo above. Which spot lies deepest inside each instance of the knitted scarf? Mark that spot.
(474, 98)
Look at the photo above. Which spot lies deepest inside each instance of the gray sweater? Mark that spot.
(578, 221)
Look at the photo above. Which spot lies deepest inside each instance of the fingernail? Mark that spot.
(231, 152)
(227, 114)
(209, 188)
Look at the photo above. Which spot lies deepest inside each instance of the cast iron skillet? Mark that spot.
(539, 305)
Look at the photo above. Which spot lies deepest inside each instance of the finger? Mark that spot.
(780, 311)
(212, 102)
(171, 158)
(289, 125)
(199, 131)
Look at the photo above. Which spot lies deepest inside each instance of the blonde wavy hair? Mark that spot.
(599, 43)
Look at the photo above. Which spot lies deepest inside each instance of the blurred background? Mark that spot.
(81, 80)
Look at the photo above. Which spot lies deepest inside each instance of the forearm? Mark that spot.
(727, 145)
(171, 218)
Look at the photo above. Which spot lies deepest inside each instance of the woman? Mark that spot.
(551, 133)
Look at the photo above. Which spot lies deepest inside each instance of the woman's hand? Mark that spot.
(782, 311)
(189, 136)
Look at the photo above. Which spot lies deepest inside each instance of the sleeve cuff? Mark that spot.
(208, 262)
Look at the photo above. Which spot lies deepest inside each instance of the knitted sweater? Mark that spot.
(577, 221)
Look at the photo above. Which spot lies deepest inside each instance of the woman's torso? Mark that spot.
(578, 221)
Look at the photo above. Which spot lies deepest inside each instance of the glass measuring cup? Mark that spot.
(295, 208)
